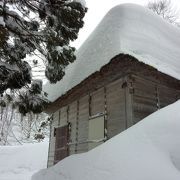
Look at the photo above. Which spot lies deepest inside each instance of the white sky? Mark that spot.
(97, 9)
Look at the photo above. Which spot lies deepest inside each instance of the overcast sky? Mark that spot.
(97, 10)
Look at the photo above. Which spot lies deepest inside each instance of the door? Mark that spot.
(96, 132)
(61, 144)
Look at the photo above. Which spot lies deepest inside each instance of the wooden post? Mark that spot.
(49, 140)
(129, 90)
(105, 115)
(77, 122)
(59, 117)
(157, 98)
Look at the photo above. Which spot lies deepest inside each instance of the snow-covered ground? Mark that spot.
(150, 150)
(20, 162)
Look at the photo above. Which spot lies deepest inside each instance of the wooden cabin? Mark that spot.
(106, 103)
(120, 89)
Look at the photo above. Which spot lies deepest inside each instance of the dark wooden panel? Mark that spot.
(144, 107)
(150, 96)
(72, 149)
(83, 123)
(73, 129)
(61, 145)
(145, 94)
(116, 117)
(167, 95)
(97, 102)
(144, 88)
(145, 98)
(118, 67)
(63, 116)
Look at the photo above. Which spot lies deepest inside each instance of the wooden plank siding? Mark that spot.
(149, 96)
(63, 116)
(61, 144)
(97, 102)
(129, 90)
(116, 117)
(82, 134)
(123, 91)
(167, 95)
(54, 123)
(73, 125)
(119, 66)
(144, 99)
(123, 102)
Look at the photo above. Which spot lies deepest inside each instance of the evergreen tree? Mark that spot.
(31, 26)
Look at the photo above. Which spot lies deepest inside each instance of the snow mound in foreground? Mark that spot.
(129, 29)
(20, 162)
(148, 150)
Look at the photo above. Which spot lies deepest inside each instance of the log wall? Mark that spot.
(148, 97)
(124, 92)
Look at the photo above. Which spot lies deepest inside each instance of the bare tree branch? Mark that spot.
(166, 10)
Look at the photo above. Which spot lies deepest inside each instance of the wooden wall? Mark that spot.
(54, 123)
(118, 67)
(60, 118)
(108, 101)
(149, 96)
(116, 115)
(72, 118)
(144, 99)
(82, 131)
(167, 95)
(122, 102)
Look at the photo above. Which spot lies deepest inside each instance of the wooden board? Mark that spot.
(63, 116)
(61, 147)
(116, 117)
(54, 123)
(73, 130)
(97, 105)
(124, 107)
(149, 96)
(167, 95)
(82, 135)
(145, 98)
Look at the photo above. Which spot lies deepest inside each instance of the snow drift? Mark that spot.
(20, 162)
(148, 150)
(129, 29)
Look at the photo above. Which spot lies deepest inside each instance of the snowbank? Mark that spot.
(148, 150)
(20, 162)
(129, 29)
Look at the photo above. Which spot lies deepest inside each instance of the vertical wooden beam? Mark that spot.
(158, 103)
(129, 90)
(59, 120)
(69, 130)
(89, 104)
(105, 114)
(77, 122)
(67, 111)
(50, 140)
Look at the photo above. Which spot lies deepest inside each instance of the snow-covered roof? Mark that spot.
(148, 150)
(129, 29)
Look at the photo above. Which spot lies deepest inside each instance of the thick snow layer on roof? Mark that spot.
(148, 150)
(129, 29)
